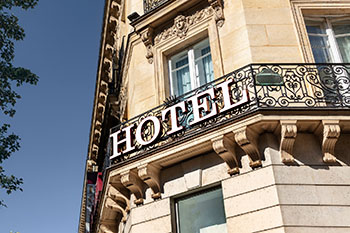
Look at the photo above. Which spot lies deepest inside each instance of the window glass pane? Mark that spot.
(181, 76)
(203, 62)
(342, 35)
(318, 41)
(203, 213)
(320, 49)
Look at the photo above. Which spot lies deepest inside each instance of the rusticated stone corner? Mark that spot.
(132, 182)
(246, 138)
(288, 135)
(225, 148)
(331, 133)
(150, 175)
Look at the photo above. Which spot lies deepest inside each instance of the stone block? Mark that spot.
(255, 221)
(150, 211)
(162, 225)
(248, 182)
(249, 202)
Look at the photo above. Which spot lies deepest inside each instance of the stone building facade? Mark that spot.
(220, 116)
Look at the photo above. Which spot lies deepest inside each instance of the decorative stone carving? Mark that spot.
(132, 182)
(288, 136)
(225, 148)
(182, 24)
(150, 175)
(246, 138)
(219, 12)
(111, 204)
(91, 165)
(105, 229)
(146, 37)
(118, 196)
(331, 133)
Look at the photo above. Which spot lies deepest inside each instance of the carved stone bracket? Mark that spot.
(105, 229)
(219, 12)
(132, 182)
(150, 175)
(111, 204)
(119, 197)
(246, 138)
(147, 39)
(91, 166)
(288, 136)
(225, 148)
(331, 133)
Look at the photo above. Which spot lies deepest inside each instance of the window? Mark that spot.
(191, 68)
(201, 213)
(329, 38)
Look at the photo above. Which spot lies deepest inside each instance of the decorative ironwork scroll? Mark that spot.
(149, 5)
(304, 86)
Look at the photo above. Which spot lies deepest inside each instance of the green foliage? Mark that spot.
(10, 76)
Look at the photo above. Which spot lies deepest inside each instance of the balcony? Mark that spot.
(268, 88)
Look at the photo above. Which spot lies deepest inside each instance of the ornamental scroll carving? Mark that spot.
(183, 23)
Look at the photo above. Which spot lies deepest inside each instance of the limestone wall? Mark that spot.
(309, 196)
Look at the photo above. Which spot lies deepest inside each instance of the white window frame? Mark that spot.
(193, 69)
(334, 51)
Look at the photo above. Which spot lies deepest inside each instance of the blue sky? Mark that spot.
(53, 118)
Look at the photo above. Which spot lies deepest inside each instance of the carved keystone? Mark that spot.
(111, 204)
(150, 175)
(132, 182)
(288, 135)
(118, 196)
(225, 148)
(147, 37)
(331, 133)
(246, 138)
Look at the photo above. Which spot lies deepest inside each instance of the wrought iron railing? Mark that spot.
(149, 5)
(300, 86)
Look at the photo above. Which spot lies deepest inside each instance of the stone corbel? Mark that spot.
(288, 135)
(91, 165)
(331, 133)
(218, 7)
(246, 138)
(118, 196)
(132, 182)
(147, 39)
(225, 148)
(113, 205)
(150, 175)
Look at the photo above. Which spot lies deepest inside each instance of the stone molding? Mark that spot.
(246, 138)
(331, 133)
(132, 182)
(225, 148)
(150, 174)
(288, 135)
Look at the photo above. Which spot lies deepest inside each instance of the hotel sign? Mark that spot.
(202, 107)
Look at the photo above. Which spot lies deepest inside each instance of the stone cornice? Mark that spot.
(104, 75)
